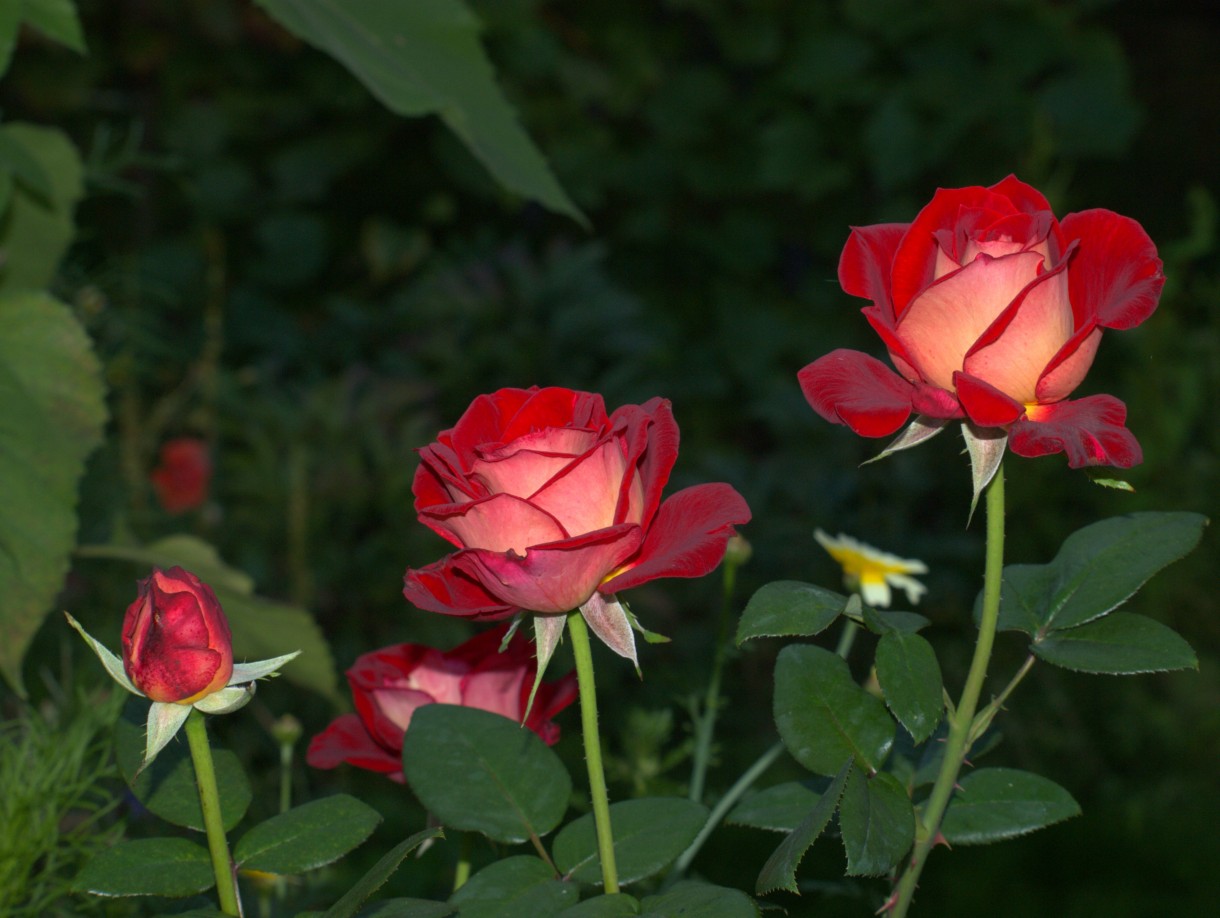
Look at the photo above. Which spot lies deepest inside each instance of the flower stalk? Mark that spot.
(209, 802)
(961, 719)
(583, 653)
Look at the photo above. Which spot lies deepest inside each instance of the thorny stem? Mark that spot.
(583, 653)
(705, 723)
(209, 802)
(961, 721)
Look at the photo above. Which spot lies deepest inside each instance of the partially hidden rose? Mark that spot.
(388, 685)
(992, 311)
(183, 475)
(177, 646)
(555, 505)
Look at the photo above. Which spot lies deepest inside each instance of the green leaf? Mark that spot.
(910, 678)
(776, 809)
(57, 20)
(994, 804)
(407, 908)
(382, 871)
(167, 787)
(172, 867)
(513, 887)
(261, 628)
(24, 167)
(424, 58)
(883, 621)
(780, 870)
(788, 608)
(481, 772)
(37, 228)
(1097, 569)
(51, 416)
(877, 822)
(1122, 643)
(306, 837)
(649, 835)
(612, 906)
(823, 717)
(700, 900)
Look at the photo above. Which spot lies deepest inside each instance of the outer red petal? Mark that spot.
(1116, 275)
(687, 537)
(986, 405)
(651, 440)
(848, 387)
(864, 266)
(1090, 430)
(346, 740)
(447, 588)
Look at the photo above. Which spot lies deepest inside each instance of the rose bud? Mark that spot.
(388, 685)
(182, 477)
(176, 641)
(991, 310)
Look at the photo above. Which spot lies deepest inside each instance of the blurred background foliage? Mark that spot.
(270, 260)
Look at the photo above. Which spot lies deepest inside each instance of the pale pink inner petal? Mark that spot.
(993, 248)
(398, 704)
(942, 323)
(496, 690)
(945, 264)
(440, 676)
(584, 497)
(502, 522)
(1062, 381)
(529, 462)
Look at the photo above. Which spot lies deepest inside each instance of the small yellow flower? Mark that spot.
(873, 572)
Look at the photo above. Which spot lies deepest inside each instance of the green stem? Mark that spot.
(705, 722)
(961, 722)
(847, 638)
(461, 873)
(593, 748)
(209, 802)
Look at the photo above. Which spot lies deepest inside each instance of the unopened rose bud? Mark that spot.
(177, 647)
(738, 551)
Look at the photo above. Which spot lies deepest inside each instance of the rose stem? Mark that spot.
(962, 719)
(593, 748)
(461, 873)
(705, 721)
(209, 802)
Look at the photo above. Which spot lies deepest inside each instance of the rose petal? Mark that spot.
(346, 740)
(1090, 430)
(935, 402)
(1116, 275)
(556, 577)
(864, 266)
(650, 436)
(1067, 369)
(555, 407)
(848, 387)
(986, 405)
(582, 498)
(525, 465)
(446, 587)
(497, 523)
(687, 538)
(550, 699)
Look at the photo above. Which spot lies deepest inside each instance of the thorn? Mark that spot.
(940, 839)
(957, 787)
(967, 762)
(888, 905)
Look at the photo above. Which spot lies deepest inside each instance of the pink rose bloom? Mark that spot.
(182, 477)
(389, 684)
(992, 310)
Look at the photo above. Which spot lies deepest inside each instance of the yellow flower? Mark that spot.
(873, 572)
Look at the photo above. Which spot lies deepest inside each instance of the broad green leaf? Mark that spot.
(376, 878)
(167, 787)
(613, 906)
(51, 416)
(307, 836)
(649, 835)
(776, 809)
(994, 804)
(788, 608)
(407, 908)
(37, 228)
(780, 870)
(910, 678)
(883, 621)
(1120, 644)
(55, 19)
(877, 822)
(261, 628)
(24, 167)
(481, 772)
(425, 57)
(172, 867)
(700, 900)
(512, 888)
(1097, 569)
(823, 716)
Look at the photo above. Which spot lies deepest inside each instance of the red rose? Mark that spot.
(389, 684)
(181, 479)
(554, 505)
(992, 310)
(176, 642)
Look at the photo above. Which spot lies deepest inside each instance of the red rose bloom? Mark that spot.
(181, 479)
(176, 642)
(992, 310)
(389, 684)
(555, 505)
